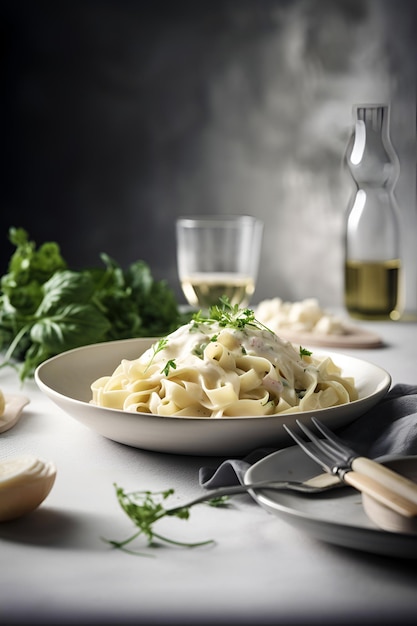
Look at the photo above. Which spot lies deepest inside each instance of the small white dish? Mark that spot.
(381, 515)
(336, 517)
(12, 411)
(354, 337)
(66, 380)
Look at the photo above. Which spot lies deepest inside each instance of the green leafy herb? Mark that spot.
(46, 308)
(305, 352)
(170, 364)
(146, 508)
(228, 315)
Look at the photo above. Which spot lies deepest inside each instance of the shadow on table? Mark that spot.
(49, 527)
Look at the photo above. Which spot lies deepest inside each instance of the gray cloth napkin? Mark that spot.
(390, 427)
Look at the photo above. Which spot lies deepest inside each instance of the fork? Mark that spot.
(335, 457)
(314, 485)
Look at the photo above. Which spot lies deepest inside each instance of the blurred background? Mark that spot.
(118, 116)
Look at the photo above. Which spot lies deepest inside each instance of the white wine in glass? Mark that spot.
(202, 290)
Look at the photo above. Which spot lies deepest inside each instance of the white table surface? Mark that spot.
(55, 567)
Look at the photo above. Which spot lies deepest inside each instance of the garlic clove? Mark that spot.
(25, 482)
(12, 410)
(13, 470)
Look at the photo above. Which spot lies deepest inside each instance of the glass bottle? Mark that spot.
(372, 257)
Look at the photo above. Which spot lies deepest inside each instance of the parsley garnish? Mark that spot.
(305, 352)
(157, 347)
(230, 316)
(169, 365)
(199, 350)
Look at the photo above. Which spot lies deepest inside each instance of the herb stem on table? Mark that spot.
(146, 508)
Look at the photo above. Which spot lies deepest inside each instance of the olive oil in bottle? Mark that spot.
(371, 289)
(372, 247)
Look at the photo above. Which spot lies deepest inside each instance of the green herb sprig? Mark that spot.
(146, 508)
(169, 365)
(157, 347)
(229, 315)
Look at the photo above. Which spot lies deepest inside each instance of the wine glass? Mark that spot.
(218, 256)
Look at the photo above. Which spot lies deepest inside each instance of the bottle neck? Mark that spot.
(370, 157)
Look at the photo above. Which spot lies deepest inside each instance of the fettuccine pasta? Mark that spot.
(209, 370)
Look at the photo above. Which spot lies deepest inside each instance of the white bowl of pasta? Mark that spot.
(137, 391)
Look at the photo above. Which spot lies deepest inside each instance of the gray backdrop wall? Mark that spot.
(119, 116)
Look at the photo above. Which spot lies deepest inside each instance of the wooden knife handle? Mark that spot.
(387, 477)
(381, 493)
